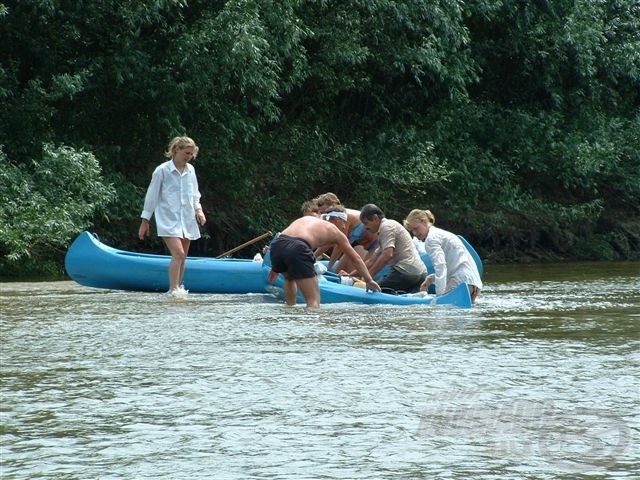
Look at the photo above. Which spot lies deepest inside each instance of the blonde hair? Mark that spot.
(327, 199)
(418, 216)
(337, 207)
(179, 143)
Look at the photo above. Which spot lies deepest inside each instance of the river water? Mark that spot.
(540, 380)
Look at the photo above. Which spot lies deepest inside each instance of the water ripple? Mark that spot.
(540, 380)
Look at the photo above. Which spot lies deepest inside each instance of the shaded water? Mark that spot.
(540, 380)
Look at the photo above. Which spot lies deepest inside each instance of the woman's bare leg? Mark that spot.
(186, 243)
(179, 248)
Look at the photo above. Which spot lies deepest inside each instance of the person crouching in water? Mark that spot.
(451, 260)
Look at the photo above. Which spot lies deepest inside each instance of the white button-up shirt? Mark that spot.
(174, 198)
(452, 262)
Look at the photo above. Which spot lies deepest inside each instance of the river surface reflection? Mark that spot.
(540, 380)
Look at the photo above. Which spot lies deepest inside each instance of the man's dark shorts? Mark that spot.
(402, 282)
(293, 256)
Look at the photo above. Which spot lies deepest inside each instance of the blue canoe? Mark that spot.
(333, 292)
(91, 263)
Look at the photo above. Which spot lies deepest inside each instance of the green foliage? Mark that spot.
(44, 204)
(515, 122)
(604, 246)
(533, 177)
(117, 221)
(559, 54)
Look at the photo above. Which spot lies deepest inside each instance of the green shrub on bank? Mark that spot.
(44, 203)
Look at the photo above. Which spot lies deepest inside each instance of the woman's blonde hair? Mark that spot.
(417, 216)
(178, 143)
(327, 199)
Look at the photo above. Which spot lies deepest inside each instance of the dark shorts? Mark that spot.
(402, 282)
(293, 256)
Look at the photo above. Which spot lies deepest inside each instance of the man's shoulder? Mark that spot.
(307, 220)
(390, 224)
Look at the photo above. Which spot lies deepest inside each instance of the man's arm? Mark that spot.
(336, 253)
(381, 260)
(343, 242)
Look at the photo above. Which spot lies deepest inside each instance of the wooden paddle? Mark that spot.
(245, 244)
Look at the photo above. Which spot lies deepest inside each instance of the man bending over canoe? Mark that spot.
(292, 255)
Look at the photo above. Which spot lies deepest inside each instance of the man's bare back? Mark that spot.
(314, 231)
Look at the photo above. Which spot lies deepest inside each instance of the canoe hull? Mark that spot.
(333, 292)
(91, 263)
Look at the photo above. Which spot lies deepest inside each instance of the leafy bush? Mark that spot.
(45, 203)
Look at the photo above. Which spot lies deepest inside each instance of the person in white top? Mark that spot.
(452, 262)
(173, 196)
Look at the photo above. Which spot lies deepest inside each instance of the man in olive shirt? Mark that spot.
(396, 250)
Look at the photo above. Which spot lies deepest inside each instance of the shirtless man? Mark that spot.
(292, 255)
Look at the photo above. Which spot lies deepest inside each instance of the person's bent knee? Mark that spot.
(179, 255)
(473, 293)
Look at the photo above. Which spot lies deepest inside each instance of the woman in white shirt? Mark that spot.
(173, 196)
(451, 260)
